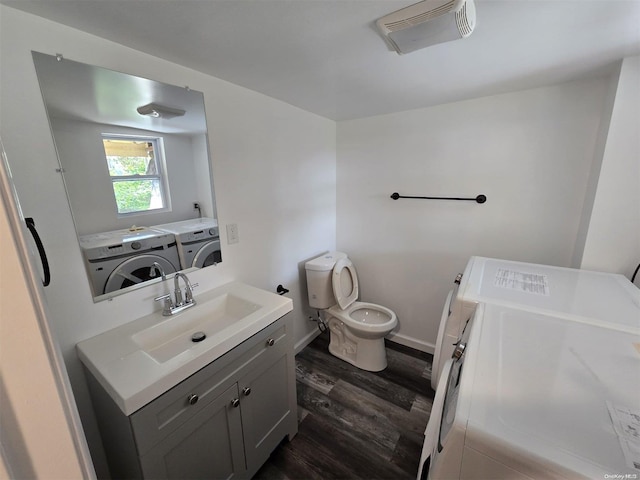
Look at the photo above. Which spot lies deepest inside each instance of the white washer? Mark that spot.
(122, 258)
(576, 294)
(198, 241)
(532, 400)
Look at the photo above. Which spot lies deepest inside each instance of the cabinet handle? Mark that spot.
(271, 342)
(235, 403)
(246, 391)
(192, 399)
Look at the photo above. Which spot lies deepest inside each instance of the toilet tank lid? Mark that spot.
(324, 263)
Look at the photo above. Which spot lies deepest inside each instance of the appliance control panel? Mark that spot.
(101, 252)
(196, 235)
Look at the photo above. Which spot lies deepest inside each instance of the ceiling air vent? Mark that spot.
(428, 23)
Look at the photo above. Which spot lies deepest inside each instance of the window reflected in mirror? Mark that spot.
(136, 175)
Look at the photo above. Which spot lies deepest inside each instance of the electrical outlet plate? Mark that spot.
(232, 233)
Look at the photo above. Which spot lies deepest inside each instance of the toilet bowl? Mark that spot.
(368, 319)
(357, 329)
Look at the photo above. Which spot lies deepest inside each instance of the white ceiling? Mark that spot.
(326, 57)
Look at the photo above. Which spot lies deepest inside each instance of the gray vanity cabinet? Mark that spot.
(209, 445)
(265, 410)
(221, 422)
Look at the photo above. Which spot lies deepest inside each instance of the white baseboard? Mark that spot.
(412, 342)
(306, 340)
(401, 339)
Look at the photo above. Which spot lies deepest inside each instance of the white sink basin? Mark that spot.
(172, 337)
(138, 361)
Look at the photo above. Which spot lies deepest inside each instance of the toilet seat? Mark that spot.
(345, 283)
(368, 319)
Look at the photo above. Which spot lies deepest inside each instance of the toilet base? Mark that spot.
(364, 353)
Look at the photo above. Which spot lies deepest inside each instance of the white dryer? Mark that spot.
(582, 295)
(123, 258)
(533, 396)
(198, 241)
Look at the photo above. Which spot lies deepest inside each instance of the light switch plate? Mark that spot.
(232, 233)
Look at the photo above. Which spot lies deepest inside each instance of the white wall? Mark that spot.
(529, 152)
(613, 238)
(274, 168)
(203, 189)
(596, 165)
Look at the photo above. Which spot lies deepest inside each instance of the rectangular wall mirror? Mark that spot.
(134, 157)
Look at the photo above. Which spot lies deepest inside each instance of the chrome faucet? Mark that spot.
(156, 267)
(171, 308)
(188, 293)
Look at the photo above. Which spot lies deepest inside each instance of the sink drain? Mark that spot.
(198, 337)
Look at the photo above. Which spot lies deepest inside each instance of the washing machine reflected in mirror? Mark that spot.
(123, 258)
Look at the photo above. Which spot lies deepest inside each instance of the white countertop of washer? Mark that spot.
(593, 297)
(537, 395)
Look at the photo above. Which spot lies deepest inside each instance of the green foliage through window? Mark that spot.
(134, 172)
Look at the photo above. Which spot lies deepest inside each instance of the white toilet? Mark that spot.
(357, 328)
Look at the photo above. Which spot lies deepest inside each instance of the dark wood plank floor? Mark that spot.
(356, 424)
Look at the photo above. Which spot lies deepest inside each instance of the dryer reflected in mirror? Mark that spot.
(134, 158)
(198, 242)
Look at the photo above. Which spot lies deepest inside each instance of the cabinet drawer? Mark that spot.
(169, 411)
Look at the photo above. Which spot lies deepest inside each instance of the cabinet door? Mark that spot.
(266, 409)
(209, 445)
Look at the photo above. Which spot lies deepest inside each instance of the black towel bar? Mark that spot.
(478, 199)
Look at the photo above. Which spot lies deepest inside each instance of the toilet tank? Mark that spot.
(319, 280)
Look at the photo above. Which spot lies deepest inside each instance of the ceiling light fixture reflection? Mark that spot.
(160, 111)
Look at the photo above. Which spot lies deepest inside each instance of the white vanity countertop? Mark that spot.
(133, 377)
